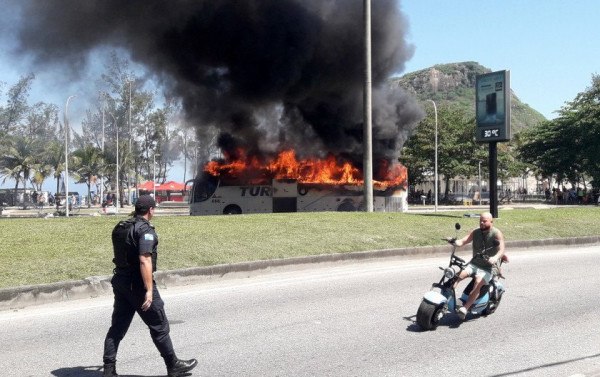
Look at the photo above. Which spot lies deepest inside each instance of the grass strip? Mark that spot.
(37, 251)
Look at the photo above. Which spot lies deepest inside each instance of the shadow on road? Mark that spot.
(451, 321)
(91, 371)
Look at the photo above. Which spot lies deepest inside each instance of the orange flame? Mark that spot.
(311, 170)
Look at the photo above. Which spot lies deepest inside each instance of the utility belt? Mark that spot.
(126, 271)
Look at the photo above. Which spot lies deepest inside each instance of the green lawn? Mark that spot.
(36, 251)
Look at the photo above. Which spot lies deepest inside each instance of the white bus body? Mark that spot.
(210, 197)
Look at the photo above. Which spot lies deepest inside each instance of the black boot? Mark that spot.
(110, 370)
(178, 367)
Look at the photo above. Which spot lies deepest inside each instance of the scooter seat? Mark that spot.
(485, 289)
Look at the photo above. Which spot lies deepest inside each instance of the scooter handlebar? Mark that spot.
(451, 241)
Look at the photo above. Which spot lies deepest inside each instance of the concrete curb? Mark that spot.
(95, 286)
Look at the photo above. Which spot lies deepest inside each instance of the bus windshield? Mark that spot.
(204, 187)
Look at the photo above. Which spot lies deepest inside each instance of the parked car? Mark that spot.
(485, 198)
(459, 198)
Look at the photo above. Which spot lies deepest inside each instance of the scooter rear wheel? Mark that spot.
(428, 315)
(493, 304)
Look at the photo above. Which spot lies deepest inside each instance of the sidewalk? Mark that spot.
(181, 209)
(483, 208)
(163, 209)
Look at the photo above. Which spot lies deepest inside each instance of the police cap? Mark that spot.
(144, 203)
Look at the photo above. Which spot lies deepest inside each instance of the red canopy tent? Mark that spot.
(171, 191)
(146, 186)
(171, 186)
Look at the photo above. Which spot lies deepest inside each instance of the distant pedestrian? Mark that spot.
(580, 195)
(135, 253)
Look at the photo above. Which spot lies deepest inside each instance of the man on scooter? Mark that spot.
(480, 267)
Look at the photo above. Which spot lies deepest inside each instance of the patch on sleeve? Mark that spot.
(148, 237)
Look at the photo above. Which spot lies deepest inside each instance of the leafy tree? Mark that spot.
(584, 114)
(546, 148)
(568, 146)
(41, 122)
(145, 130)
(16, 108)
(458, 153)
(198, 147)
(418, 152)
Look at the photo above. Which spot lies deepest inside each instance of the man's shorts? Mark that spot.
(475, 271)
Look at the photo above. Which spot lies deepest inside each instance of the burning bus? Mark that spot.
(287, 184)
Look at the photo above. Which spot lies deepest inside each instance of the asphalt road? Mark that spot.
(345, 319)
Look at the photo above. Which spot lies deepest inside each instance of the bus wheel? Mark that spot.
(346, 207)
(232, 209)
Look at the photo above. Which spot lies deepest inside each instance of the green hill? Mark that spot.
(455, 84)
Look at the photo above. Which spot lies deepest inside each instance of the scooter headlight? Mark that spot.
(449, 273)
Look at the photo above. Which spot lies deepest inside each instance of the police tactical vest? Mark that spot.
(125, 258)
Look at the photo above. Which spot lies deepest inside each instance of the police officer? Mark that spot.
(135, 253)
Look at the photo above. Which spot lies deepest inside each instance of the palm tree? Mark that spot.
(18, 160)
(88, 162)
(54, 156)
(50, 162)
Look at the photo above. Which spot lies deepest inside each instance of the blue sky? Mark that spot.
(551, 47)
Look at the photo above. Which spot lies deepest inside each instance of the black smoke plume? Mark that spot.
(270, 74)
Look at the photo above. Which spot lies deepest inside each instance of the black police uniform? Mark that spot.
(129, 292)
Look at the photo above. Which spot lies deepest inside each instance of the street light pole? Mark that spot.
(436, 156)
(66, 121)
(102, 177)
(118, 192)
(129, 137)
(129, 119)
(479, 183)
(154, 175)
(117, 181)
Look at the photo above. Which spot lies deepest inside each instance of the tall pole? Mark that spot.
(129, 118)
(117, 180)
(154, 175)
(367, 127)
(479, 183)
(118, 192)
(435, 180)
(102, 177)
(129, 154)
(493, 172)
(66, 121)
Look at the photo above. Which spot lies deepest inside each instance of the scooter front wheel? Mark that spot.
(429, 315)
